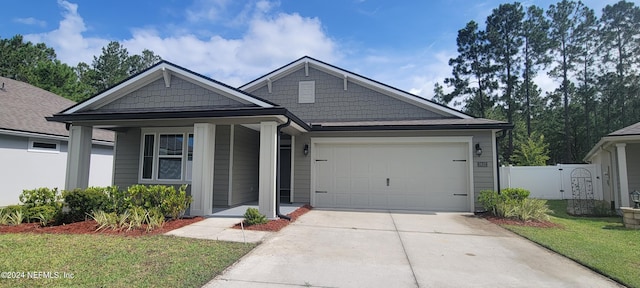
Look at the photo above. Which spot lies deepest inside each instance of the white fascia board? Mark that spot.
(391, 92)
(49, 137)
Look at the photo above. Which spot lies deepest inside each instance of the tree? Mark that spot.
(620, 51)
(565, 17)
(472, 65)
(504, 33)
(531, 151)
(536, 44)
(113, 66)
(18, 58)
(586, 42)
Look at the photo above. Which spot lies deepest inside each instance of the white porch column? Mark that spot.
(204, 140)
(622, 174)
(268, 155)
(78, 157)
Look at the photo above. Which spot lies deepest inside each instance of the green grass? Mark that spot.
(601, 243)
(115, 261)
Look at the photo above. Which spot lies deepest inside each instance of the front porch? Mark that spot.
(225, 165)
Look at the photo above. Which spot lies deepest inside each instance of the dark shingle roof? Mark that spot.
(629, 130)
(23, 108)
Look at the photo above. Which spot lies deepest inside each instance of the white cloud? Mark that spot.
(31, 21)
(268, 42)
(70, 45)
(206, 10)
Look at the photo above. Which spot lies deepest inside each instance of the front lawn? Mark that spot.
(601, 243)
(112, 261)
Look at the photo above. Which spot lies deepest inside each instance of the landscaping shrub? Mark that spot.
(46, 213)
(517, 194)
(171, 203)
(533, 209)
(489, 199)
(252, 216)
(81, 202)
(40, 197)
(41, 203)
(4, 216)
(514, 203)
(175, 203)
(16, 217)
(105, 220)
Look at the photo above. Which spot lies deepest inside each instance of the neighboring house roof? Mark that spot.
(367, 82)
(165, 70)
(627, 131)
(626, 134)
(24, 107)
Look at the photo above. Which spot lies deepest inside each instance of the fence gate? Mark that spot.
(582, 201)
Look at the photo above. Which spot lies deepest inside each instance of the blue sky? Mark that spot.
(406, 44)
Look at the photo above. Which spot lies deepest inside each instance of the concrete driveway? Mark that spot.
(389, 249)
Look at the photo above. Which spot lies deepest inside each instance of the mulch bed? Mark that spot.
(90, 226)
(506, 221)
(276, 225)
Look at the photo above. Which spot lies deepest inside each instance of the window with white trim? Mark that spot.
(166, 156)
(44, 146)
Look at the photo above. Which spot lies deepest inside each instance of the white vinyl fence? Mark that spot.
(553, 182)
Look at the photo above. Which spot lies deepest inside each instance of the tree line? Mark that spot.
(38, 65)
(592, 61)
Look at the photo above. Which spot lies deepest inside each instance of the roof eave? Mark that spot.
(273, 111)
(607, 141)
(500, 126)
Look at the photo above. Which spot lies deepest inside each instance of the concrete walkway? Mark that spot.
(383, 249)
(217, 226)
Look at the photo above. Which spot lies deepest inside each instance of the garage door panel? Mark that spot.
(421, 176)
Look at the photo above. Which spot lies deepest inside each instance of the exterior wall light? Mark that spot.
(478, 149)
(635, 197)
(305, 151)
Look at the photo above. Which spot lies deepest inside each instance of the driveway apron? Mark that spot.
(401, 249)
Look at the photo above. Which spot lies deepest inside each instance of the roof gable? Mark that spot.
(307, 62)
(166, 73)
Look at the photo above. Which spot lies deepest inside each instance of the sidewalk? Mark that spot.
(217, 226)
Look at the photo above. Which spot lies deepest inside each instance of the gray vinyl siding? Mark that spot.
(181, 94)
(333, 103)
(633, 166)
(246, 157)
(482, 176)
(126, 158)
(221, 166)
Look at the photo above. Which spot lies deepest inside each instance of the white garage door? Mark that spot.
(431, 176)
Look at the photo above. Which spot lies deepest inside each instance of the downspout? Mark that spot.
(498, 157)
(278, 171)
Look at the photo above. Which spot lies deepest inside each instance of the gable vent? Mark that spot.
(307, 92)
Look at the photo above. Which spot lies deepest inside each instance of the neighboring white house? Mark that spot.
(33, 151)
(618, 154)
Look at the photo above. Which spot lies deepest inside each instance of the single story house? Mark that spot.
(34, 151)
(618, 153)
(309, 131)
